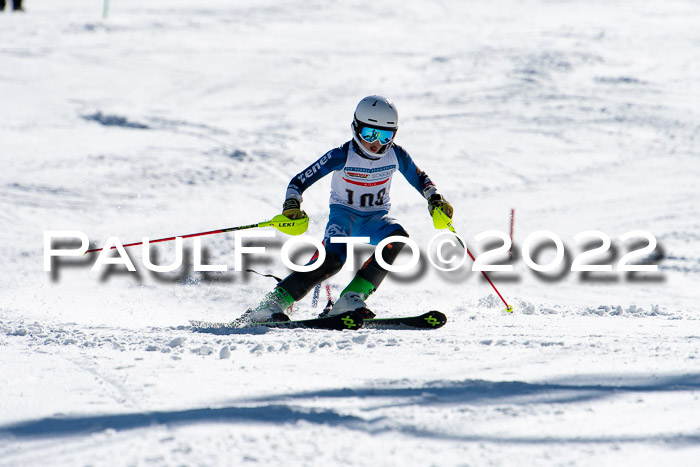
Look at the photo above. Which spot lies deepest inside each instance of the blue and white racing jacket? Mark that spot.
(358, 182)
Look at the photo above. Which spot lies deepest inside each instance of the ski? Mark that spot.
(350, 320)
(429, 320)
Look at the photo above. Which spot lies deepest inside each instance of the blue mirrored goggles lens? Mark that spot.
(371, 135)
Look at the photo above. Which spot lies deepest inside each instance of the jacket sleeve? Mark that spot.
(332, 160)
(413, 174)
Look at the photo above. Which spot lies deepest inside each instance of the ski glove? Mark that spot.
(437, 201)
(292, 209)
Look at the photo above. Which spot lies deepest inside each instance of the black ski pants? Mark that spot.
(298, 284)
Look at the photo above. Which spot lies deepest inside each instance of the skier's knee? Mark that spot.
(392, 250)
(332, 265)
(399, 232)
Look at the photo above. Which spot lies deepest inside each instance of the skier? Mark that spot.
(359, 207)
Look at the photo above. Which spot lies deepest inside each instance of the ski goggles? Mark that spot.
(371, 135)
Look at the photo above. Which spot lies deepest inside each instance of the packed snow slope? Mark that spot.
(170, 117)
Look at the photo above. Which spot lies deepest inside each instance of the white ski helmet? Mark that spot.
(379, 113)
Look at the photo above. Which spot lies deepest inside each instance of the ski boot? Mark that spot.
(350, 301)
(271, 308)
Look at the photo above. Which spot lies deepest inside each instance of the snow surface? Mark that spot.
(173, 117)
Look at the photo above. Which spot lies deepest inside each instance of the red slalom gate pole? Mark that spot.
(512, 224)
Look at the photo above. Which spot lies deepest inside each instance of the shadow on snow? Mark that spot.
(67, 426)
(277, 410)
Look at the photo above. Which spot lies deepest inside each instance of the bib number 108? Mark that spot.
(367, 199)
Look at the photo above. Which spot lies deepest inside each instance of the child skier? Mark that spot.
(359, 207)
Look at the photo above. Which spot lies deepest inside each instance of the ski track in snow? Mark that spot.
(173, 117)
